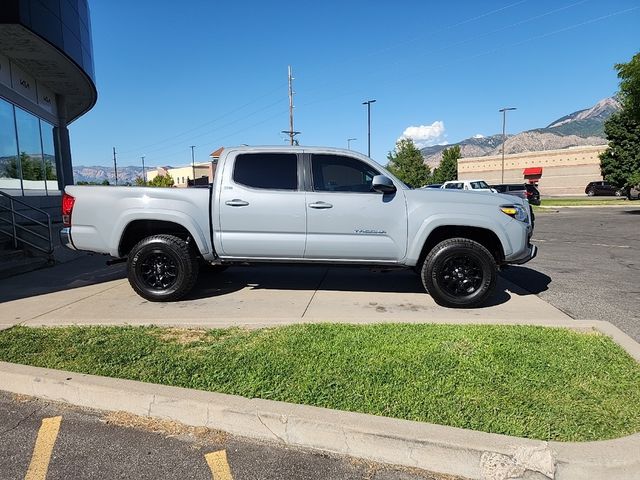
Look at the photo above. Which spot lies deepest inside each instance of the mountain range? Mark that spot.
(98, 174)
(584, 127)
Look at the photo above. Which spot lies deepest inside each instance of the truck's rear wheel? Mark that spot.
(162, 268)
(459, 273)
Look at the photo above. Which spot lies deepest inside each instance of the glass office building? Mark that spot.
(46, 82)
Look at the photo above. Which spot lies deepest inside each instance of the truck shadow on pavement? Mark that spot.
(334, 278)
(93, 271)
(87, 270)
(527, 280)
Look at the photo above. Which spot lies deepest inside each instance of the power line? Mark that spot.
(224, 115)
(396, 79)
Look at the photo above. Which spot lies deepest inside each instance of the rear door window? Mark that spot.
(273, 171)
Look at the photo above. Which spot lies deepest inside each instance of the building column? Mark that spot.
(63, 145)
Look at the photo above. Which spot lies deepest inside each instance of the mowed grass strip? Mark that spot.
(573, 202)
(535, 382)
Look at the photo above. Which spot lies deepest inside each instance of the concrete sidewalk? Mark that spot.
(86, 292)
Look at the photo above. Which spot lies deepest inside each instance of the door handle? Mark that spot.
(320, 205)
(236, 202)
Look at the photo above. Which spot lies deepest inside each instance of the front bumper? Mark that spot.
(65, 238)
(530, 253)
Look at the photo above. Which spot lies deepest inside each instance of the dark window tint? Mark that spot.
(276, 171)
(335, 173)
(454, 186)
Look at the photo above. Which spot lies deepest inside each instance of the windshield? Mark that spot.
(479, 185)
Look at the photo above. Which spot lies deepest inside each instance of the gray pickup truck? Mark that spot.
(305, 205)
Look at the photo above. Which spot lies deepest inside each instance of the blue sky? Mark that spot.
(173, 74)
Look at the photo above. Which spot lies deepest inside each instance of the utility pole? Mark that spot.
(193, 165)
(291, 132)
(349, 140)
(144, 175)
(368, 104)
(115, 165)
(504, 135)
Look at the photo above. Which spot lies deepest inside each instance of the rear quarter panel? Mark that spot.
(101, 214)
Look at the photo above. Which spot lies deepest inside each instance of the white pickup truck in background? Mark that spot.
(301, 205)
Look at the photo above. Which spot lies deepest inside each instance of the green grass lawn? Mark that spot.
(544, 383)
(571, 202)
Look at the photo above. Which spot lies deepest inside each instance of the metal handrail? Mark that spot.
(15, 227)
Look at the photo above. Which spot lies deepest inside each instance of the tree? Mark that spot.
(448, 169)
(629, 75)
(407, 163)
(620, 162)
(157, 181)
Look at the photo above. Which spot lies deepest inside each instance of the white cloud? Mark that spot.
(478, 135)
(426, 135)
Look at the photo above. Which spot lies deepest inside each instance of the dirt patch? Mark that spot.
(182, 336)
(374, 468)
(168, 428)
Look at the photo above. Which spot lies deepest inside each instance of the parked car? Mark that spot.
(602, 188)
(527, 191)
(476, 185)
(305, 206)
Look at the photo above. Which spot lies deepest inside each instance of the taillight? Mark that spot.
(67, 208)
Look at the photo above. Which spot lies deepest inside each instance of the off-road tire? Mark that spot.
(162, 268)
(476, 266)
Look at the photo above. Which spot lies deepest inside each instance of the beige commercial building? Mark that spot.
(556, 172)
(181, 175)
(204, 172)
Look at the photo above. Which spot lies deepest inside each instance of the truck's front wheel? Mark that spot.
(459, 273)
(162, 268)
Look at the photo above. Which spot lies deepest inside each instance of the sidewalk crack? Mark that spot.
(326, 272)
(267, 427)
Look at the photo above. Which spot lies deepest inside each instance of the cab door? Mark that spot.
(346, 219)
(262, 207)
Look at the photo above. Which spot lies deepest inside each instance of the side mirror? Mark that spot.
(383, 184)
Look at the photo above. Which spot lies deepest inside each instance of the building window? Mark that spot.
(30, 151)
(27, 153)
(9, 168)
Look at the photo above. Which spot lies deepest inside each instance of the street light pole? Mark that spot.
(193, 165)
(504, 133)
(368, 104)
(144, 175)
(349, 140)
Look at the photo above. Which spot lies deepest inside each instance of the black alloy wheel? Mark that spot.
(162, 268)
(158, 271)
(459, 273)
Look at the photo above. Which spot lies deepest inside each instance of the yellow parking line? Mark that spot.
(42, 450)
(219, 466)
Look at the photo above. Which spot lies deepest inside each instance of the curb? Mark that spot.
(436, 448)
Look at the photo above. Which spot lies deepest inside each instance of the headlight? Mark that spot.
(515, 211)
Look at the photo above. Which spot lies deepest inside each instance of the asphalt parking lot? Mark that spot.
(588, 264)
(89, 444)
